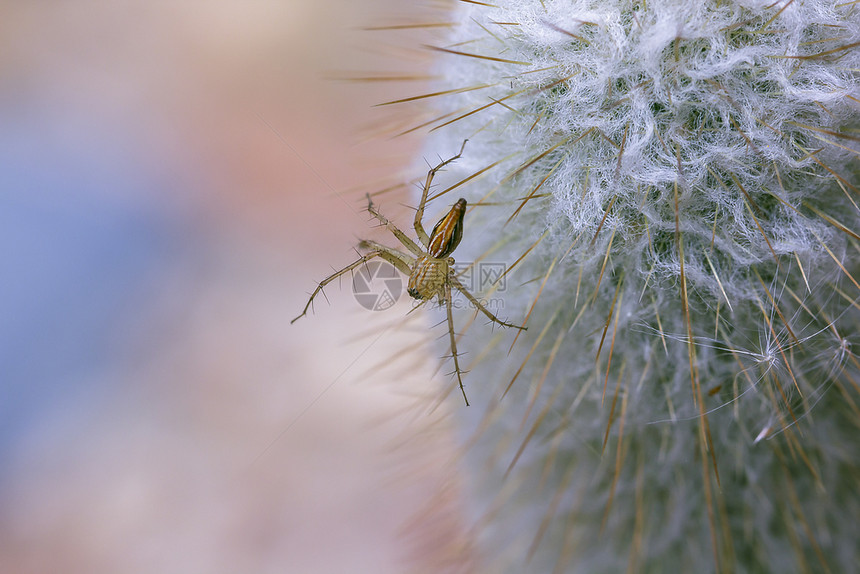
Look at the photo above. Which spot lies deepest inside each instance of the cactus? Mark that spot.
(673, 187)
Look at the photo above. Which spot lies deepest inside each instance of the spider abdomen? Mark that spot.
(428, 277)
(448, 232)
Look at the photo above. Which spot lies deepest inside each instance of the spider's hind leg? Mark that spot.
(402, 237)
(400, 260)
(419, 213)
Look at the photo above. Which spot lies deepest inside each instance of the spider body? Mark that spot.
(428, 263)
(428, 277)
(448, 233)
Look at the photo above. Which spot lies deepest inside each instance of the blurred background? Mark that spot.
(174, 179)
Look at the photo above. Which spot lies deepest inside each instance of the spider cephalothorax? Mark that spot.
(428, 264)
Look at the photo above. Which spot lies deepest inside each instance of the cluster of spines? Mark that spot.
(650, 268)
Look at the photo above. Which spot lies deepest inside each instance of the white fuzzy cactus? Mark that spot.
(673, 185)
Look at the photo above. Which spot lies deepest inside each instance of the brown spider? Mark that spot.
(430, 266)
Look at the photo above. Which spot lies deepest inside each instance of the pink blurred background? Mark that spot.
(174, 177)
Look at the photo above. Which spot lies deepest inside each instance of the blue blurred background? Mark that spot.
(173, 179)
(79, 262)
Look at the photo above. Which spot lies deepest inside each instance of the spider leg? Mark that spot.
(404, 239)
(454, 341)
(400, 260)
(478, 305)
(362, 260)
(419, 213)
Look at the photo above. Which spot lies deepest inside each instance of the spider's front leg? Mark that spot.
(453, 339)
(480, 306)
(400, 260)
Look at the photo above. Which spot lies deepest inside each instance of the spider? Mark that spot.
(429, 264)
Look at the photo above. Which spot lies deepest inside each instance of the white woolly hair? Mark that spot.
(672, 183)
